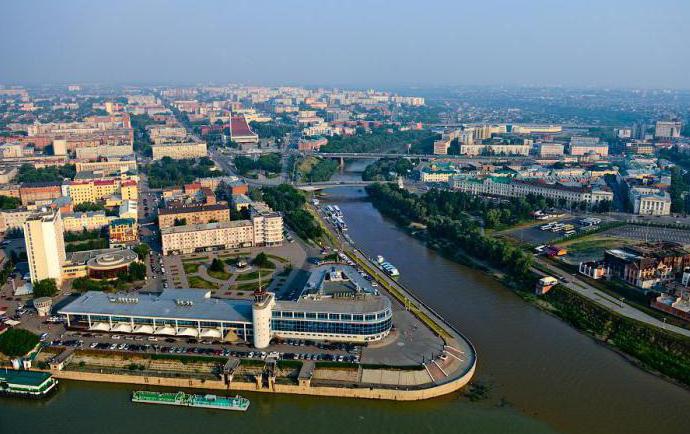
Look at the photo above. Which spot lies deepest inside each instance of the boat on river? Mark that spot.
(387, 267)
(182, 399)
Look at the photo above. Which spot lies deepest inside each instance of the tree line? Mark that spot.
(169, 173)
(290, 202)
(450, 225)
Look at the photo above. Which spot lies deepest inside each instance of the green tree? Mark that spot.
(88, 206)
(142, 250)
(17, 342)
(45, 288)
(217, 265)
(180, 222)
(137, 271)
(8, 202)
(261, 260)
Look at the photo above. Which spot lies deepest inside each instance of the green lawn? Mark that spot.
(253, 275)
(278, 258)
(220, 275)
(594, 243)
(195, 260)
(250, 286)
(190, 268)
(198, 282)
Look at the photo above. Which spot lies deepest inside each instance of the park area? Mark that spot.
(235, 275)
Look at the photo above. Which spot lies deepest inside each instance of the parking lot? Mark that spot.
(651, 234)
(283, 350)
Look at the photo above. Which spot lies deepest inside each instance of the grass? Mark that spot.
(278, 258)
(195, 260)
(198, 282)
(249, 276)
(190, 268)
(592, 243)
(252, 286)
(220, 275)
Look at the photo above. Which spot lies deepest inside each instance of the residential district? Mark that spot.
(187, 222)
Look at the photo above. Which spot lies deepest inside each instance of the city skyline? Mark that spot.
(591, 44)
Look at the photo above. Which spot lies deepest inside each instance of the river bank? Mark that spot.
(657, 351)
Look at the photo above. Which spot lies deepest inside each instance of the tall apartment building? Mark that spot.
(178, 151)
(668, 129)
(45, 246)
(268, 225)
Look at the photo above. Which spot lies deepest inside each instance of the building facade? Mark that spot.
(45, 246)
(178, 151)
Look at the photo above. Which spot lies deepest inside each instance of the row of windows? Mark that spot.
(330, 327)
(332, 316)
(159, 322)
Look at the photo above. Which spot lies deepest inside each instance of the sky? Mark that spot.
(605, 43)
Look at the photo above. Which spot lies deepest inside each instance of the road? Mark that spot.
(605, 300)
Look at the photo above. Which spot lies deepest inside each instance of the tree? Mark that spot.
(180, 222)
(8, 202)
(137, 271)
(17, 342)
(217, 265)
(142, 250)
(261, 260)
(88, 206)
(45, 288)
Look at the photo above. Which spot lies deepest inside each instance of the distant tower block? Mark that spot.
(43, 305)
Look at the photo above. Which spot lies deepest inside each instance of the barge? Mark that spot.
(182, 399)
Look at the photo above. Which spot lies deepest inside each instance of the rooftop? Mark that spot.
(185, 304)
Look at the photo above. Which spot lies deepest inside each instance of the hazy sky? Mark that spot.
(361, 43)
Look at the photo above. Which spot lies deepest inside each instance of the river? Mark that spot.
(544, 376)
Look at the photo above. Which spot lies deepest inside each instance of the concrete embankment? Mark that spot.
(302, 389)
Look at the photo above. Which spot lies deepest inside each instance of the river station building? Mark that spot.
(336, 305)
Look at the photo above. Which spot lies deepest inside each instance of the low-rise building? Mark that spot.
(178, 151)
(191, 215)
(90, 220)
(122, 231)
(649, 264)
(31, 192)
(508, 187)
(650, 201)
(208, 236)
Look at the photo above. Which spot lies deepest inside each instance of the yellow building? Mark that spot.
(102, 189)
(77, 222)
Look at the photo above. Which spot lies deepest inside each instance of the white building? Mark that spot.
(668, 129)
(506, 187)
(650, 201)
(45, 245)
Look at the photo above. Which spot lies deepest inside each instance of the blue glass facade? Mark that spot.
(326, 327)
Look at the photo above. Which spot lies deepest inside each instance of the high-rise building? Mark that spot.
(668, 129)
(45, 245)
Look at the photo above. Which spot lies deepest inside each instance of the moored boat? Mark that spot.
(236, 403)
